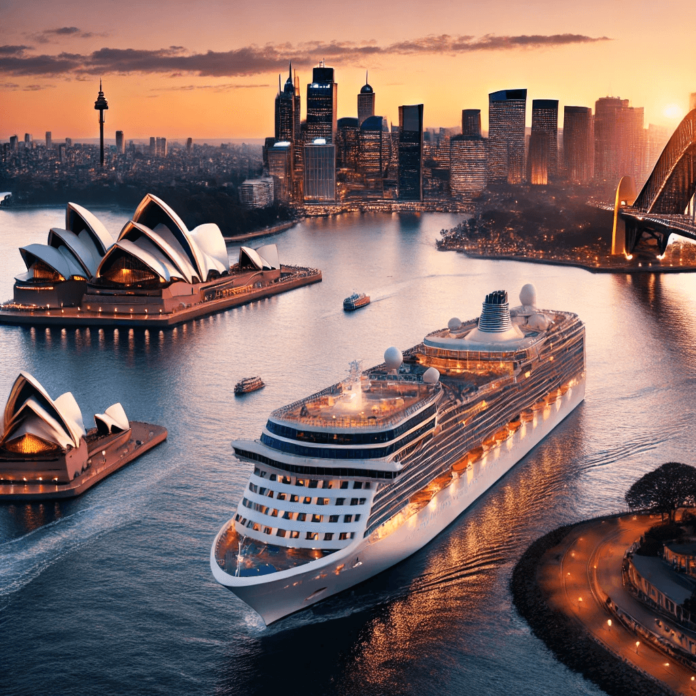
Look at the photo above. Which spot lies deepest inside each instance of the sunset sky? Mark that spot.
(209, 69)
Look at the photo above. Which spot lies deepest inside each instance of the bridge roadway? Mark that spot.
(577, 575)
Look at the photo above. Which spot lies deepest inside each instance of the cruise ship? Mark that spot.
(351, 480)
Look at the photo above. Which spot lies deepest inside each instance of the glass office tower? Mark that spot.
(506, 135)
(410, 175)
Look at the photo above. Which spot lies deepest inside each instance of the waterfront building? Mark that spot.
(545, 123)
(347, 143)
(322, 96)
(285, 122)
(189, 145)
(410, 152)
(468, 166)
(257, 193)
(506, 135)
(578, 144)
(538, 159)
(471, 123)
(375, 153)
(280, 159)
(353, 479)
(49, 140)
(14, 143)
(319, 171)
(101, 106)
(366, 102)
(120, 143)
(46, 452)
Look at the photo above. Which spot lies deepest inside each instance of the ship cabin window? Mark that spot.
(367, 484)
(340, 501)
(357, 485)
(274, 513)
(312, 536)
(301, 517)
(287, 515)
(257, 471)
(294, 535)
(285, 479)
(323, 501)
(253, 488)
(280, 533)
(281, 496)
(267, 530)
(272, 477)
(328, 536)
(345, 535)
(317, 518)
(345, 484)
(262, 491)
(301, 482)
(313, 483)
(294, 498)
(354, 501)
(347, 518)
(333, 518)
(263, 473)
(357, 518)
(328, 484)
(307, 501)
(236, 517)
(257, 527)
(269, 494)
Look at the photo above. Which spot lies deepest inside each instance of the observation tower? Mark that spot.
(101, 105)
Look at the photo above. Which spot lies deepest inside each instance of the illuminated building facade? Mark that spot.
(257, 193)
(375, 152)
(607, 139)
(506, 135)
(285, 121)
(49, 140)
(280, 159)
(468, 166)
(319, 171)
(545, 123)
(471, 123)
(120, 143)
(578, 144)
(322, 95)
(538, 159)
(347, 143)
(410, 172)
(366, 102)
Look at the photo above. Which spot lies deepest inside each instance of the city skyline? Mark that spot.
(168, 78)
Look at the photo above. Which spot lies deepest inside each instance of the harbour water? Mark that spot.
(112, 593)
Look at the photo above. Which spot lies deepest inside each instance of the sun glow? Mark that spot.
(673, 111)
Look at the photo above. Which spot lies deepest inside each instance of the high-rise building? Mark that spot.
(538, 159)
(468, 166)
(545, 122)
(285, 122)
(153, 147)
(375, 151)
(257, 193)
(366, 102)
(319, 171)
(160, 147)
(578, 143)
(280, 159)
(471, 123)
(322, 96)
(506, 135)
(14, 143)
(28, 140)
(68, 142)
(62, 152)
(101, 106)
(606, 137)
(49, 140)
(120, 143)
(410, 175)
(347, 143)
(189, 145)
(632, 154)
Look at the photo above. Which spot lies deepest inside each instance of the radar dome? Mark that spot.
(393, 358)
(431, 376)
(454, 323)
(528, 295)
(538, 322)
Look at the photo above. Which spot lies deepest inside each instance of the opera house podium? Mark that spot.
(157, 274)
(46, 452)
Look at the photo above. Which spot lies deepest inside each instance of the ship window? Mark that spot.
(328, 484)
(312, 535)
(367, 484)
(287, 515)
(333, 518)
(274, 513)
(286, 479)
(357, 518)
(354, 501)
(262, 491)
(300, 482)
(236, 517)
(345, 484)
(347, 518)
(270, 493)
(323, 501)
(253, 488)
(357, 485)
(257, 527)
(272, 477)
(294, 499)
(307, 501)
(263, 473)
(301, 517)
(340, 501)
(280, 533)
(313, 483)
(246, 503)
(317, 518)
(281, 496)
(267, 530)
(294, 535)
(257, 471)
(343, 536)
(328, 536)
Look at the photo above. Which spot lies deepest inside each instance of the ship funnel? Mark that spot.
(495, 316)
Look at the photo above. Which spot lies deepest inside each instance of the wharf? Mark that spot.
(74, 316)
(273, 229)
(143, 437)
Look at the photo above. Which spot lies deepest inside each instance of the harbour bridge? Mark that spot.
(661, 208)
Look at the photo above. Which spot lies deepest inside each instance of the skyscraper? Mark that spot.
(319, 171)
(101, 106)
(28, 139)
(578, 143)
(322, 95)
(347, 143)
(545, 122)
(366, 102)
(375, 152)
(285, 122)
(189, 144)
(410, 176)
(49, 140)
(14, 143)
(471, 123)
(120, 143)
(606, 137)
(280, 161)
(506, 135)
(538, 159)
(468, 166)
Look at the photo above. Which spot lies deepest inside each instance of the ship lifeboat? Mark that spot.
(514, 426)
(527, 416)
(421, 498)
(476, 453)
(502, 434)
(564, 389)
(461, 465)
(539, 405)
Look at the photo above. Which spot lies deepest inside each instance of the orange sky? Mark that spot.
(210, 69)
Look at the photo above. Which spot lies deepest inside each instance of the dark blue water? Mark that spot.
(112, 593)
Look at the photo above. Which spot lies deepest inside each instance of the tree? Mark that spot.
(669, 487)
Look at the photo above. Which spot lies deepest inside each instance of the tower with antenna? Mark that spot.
(101, 106)
(366, 102)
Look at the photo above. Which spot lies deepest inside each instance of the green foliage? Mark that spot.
(670, 486)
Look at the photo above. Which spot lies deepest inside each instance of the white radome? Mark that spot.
(431, 376)
(454, 323)
(528, 295)
(393, 358)
(538, 322)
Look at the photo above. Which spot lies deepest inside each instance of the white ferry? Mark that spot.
(354, 479)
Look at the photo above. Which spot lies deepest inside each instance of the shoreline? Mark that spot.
(274, 229)
(577, 264)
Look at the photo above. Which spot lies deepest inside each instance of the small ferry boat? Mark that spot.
(356, 301)
(248, 384)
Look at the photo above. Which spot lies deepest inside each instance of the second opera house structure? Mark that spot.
(156, 271)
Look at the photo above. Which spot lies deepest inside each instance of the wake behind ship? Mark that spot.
(351, 480)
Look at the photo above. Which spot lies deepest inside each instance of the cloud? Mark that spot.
(37, 88)
(52, 35)
(213, 88)
(254, 60)
(9, 86)
(13, 50)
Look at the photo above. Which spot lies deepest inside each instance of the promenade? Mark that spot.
(578, 575)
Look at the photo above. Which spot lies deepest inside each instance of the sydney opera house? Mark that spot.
(158, 272)
(46, 452)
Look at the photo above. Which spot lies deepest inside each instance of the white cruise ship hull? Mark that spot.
(282, 593)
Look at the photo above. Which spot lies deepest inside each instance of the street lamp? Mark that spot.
(637, 644)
